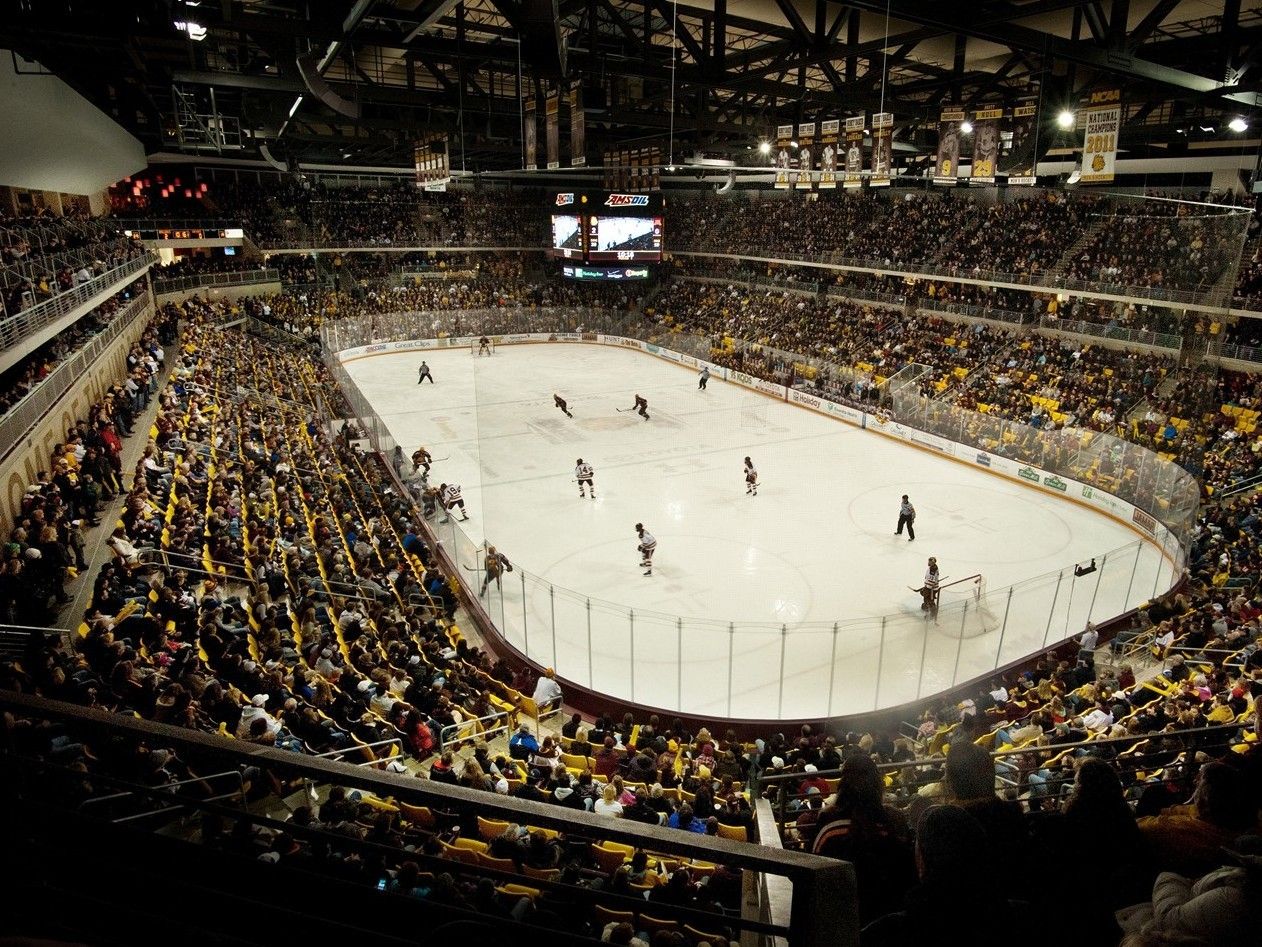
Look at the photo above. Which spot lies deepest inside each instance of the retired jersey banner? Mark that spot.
(806, 155)
(947, 168)
(578, 127)
(530, 135)
(552, 119)
(854, 152)
(1018, 160)
(1099, 143)
(828, 153)
(985, 145)
(784, 135)
(433, 167)
(882, 149)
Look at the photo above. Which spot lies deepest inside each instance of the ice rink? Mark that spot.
(793, 603)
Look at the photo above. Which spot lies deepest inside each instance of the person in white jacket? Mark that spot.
(547, 690)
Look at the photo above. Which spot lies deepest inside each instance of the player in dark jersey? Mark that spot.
(560, 403)
(641, 407)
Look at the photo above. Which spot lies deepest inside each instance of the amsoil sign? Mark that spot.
(627, 200)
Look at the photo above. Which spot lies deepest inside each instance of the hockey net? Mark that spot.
(475, 347)
(964, 610)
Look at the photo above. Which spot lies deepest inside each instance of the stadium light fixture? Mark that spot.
(293, 108)
(793, 144)
(1065, 119)
(966, 127)
(764, 147)
(1238, 125)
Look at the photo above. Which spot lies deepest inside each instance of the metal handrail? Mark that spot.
(244, 277)
(16, 328)
(330, 754)
(45, 396)
(236, 773)
(457, 727)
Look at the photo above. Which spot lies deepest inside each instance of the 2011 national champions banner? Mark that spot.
(854, 152)
(985, 144)
(882, 149)
(806, 155)
(784, 135)
(947, 168)
(552, 114)
(828, 153)
(1103, 121)
(1018, 162)
(530, 134)
(578, 127)
(433, 165)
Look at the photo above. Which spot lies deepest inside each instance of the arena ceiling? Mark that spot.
(393, 70)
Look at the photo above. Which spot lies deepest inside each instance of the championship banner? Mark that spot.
(947, 167)
(985, 145)
(433, 165)
(1017, 163)
(882, 149)
(530, 134)
(784, 135)
(806, 153)
(854, 152)
(578, 127)
(654, 169)
(552, 123)
(828, 153)
(1099, 143)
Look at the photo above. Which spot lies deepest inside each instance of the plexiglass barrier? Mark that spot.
(725, 667)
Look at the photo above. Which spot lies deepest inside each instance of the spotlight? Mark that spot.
(1238, 124)
(764, 147)
(966, 127)
(793, 144)
(1065, 119)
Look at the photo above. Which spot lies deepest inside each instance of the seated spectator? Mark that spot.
(1188, 838)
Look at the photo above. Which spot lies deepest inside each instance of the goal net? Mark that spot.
(964, 609)
(475, 347)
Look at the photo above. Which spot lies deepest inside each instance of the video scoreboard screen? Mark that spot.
(607, 227)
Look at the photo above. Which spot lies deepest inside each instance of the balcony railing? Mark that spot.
(17, 327)
(24, 415)
(177, 284)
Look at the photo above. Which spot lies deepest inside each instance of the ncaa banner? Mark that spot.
(806, 141)
(947, 167)
(1017, 163)
(784, 135)
(578, 127)
(552, 121)
(828, 153)
(530, 134)
(985, 145)
(1099, 143)
(882, 149)
(854, 152)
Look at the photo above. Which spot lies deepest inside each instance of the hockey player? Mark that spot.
(495, 564)
(906, 517)
(751, 478)
(648, 545)
(421, 458)
(560, 403)
(583, 474)
(929, 591)
(425, 373)
(450, 493)
(430, 498)
(705, 377)
(484, 346)
(641, 407)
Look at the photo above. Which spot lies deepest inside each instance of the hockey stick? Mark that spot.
(624, 409)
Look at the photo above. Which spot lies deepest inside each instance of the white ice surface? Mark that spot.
(762, 579)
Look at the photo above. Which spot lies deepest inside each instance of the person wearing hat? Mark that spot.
(522, 745)
(547, 691)
(255, 711)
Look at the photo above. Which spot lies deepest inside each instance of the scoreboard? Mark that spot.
(607, 227)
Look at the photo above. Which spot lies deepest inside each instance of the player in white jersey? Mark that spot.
(751, 478)
(929, 591)
(583, 474)
(648, 545)
(450, 493)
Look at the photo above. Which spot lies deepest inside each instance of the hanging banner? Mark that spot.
(806, 155)
(854, 152)
(784, 135)
(1099, 142)
(985, 145)
(530, 134)
(552, 122)
(578, 127)
(947, 167)
(828, 153)
(1018, 159)
(882, 149)
(433, 163)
